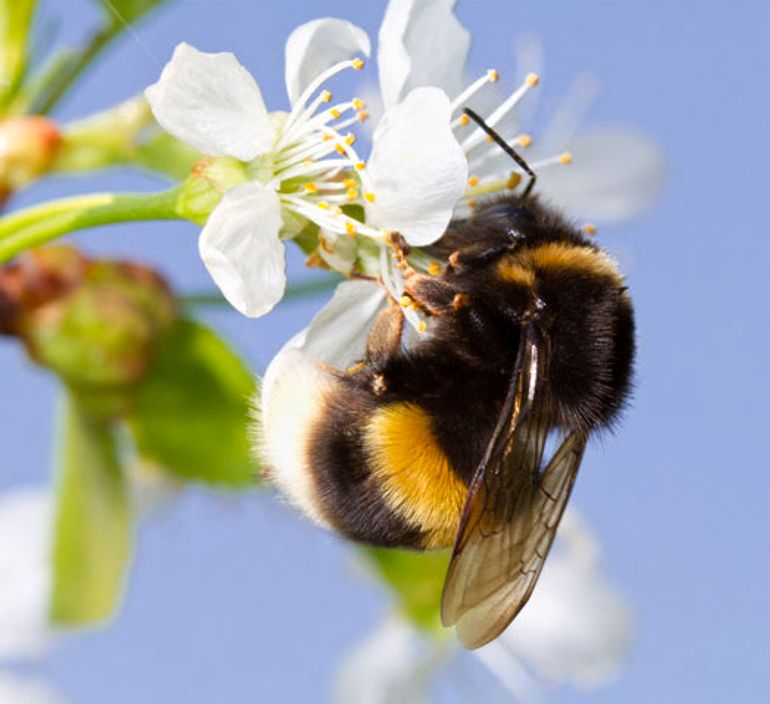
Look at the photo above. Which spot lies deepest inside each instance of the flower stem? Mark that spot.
(42, 223)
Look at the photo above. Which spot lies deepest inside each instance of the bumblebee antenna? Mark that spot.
(507, 148)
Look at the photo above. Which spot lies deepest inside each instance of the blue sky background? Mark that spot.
(236, 601)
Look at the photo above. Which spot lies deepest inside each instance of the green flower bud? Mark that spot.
(28, 148)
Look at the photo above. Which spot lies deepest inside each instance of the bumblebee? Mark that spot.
(442, 442)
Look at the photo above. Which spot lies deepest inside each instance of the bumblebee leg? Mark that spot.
(401, 251)
(431, 294)
(384, 338)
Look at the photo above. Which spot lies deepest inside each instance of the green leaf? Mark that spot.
(416, 580)
(191, 413)
(94, 526)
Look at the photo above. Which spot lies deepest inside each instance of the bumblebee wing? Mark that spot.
(512, 510)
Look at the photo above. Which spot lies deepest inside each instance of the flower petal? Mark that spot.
(23, 690)
(577, 627)
(212, 103)
(240, 247)
(26, 576)
(337, 334)
(417, 167)
(614, 175)
(315, 46)
(393, 665)
(421, 43)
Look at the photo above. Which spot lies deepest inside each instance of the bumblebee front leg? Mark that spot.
(431, 294)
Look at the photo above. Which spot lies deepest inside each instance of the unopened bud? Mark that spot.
(94, 323)
(28, 148)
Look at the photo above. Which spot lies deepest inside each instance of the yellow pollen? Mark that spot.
(370, 197)
(350, 138)
(340, 149)
(434, 268)
(473, 181)
(323, 205)
(464, 119)
(513, 180)
(524, 140)
(336, 114)
(589, 229)
(360, 166)
(350, 183)
(311, 188)
(355, 368)
(358, 104)
(357, 64)
(532, 79)
(327, 138)
(472, 203)
(352, 194)
(566, 158)
(422, 326)
(493, 75)
(490, 139)
(406, 301)
(326, 96)
(363, 116)
(350, 228)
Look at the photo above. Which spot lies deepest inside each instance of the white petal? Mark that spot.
(392, 666)
(417, 167)
(212, 103)
(576, 627)
(337, 334)
(315, 46)
(240, 247)
(421, 43)
(614, 175)
(25, 576)
(17, 690)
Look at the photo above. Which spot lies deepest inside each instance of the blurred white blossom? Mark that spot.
(574, 631)
(25, 573)
(21, 690)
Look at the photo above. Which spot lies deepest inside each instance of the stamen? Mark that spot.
(358, 104)
(352, 194)
(422, 326)
(524, 140)
(316, 83)
(370, 197)
(563, 159)
(311, 188)
(590, 229)
(473, 181)
(503, 109)
(406, 301)
(350, 228)
(434, 268)
(489, 77)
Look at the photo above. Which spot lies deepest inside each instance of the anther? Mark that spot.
(406, 301)
(422, 326)
(340, 149)
(434, 268)
(363, 116)
(565, 158)
(357, 64)
(493, 75)
(326, 96)
(311, 188)
(532, 79)
(464, 119)
(355, 368)
(350, 228)
(352, 194)
(328, 137)
(460, 301)
(360, 165)
(350, 139)
(358, 104)
(513, 180)
(473, 203)
(590, 229)
(473, 181)
(524, 140)
(350, 183)
(370, 197)
(323, 205)
(335, 113)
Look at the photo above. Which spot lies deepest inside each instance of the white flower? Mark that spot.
(303, 164)
(25, 575)
(575, 630)
(17, 690)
